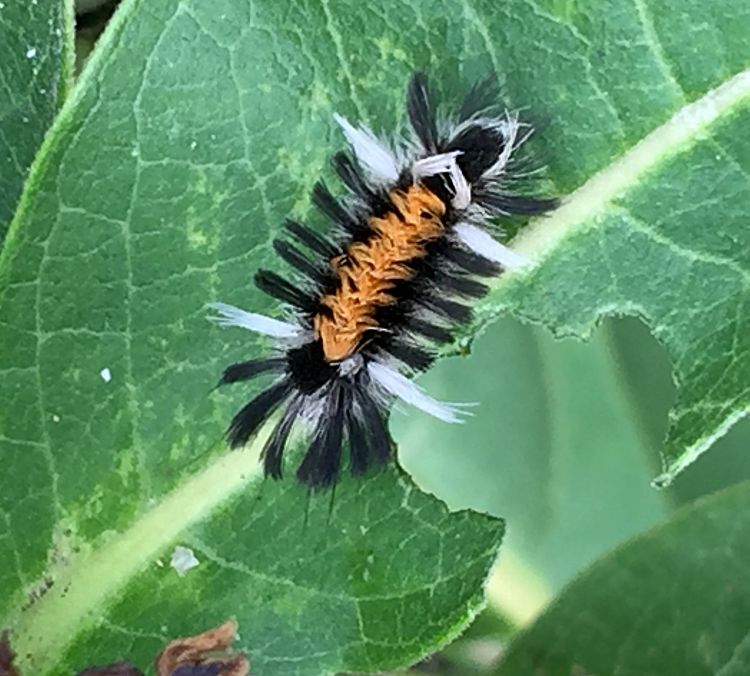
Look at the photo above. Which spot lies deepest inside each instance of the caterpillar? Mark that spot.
(410, 249)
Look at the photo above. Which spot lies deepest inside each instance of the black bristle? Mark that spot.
(312, 240)
(277, 287)
(331, 207)
(471, 262)
(421, 114)
(273, 451)
(431, 331)
(322, 462)
(394, 316)
(447, 308)
(480, 146)
(359, 447)
(249, 369)
(308, 368)
(349, 173)
(412, 355)
(461, 285)
(251, 416)
(483, 95)
(527, 205)
(379, 441)
(297, 260)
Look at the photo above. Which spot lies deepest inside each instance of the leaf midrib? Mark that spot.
(577, 211)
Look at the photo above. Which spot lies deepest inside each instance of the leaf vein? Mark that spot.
(654, 43)
(681, 250)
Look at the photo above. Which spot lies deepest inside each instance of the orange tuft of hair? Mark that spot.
(368, 270)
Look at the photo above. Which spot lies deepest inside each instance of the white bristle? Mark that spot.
(229, 315)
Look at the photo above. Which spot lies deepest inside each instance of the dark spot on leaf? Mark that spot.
(37, 591)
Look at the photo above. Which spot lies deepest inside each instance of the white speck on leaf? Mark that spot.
(193, 145)
(55, 417)
(31, 52)
(183, 560)
(106, 375)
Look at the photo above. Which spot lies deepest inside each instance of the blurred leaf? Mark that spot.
(86, 6)
(91, 20)
(645, 375)
(159, 190)
(36, 52)
(685, 582)
(569, 493)
(556, 448)
(478, 650)
(624, 371)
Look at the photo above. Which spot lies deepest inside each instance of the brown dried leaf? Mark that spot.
(209, 649)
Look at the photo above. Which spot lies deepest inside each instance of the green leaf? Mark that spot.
(374, 579)
(684, 582)
(649, 132)
(647, 236)
(36, 51)
(146, 207)
(193, 132)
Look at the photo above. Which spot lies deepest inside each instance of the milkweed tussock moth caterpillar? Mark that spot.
(408, 253)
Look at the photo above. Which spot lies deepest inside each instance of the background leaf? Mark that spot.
(36, 51)
(175, 173)
(688, 574)
(565, 440)
(555, 447)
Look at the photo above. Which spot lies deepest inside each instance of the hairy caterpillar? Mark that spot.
(410, 246)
